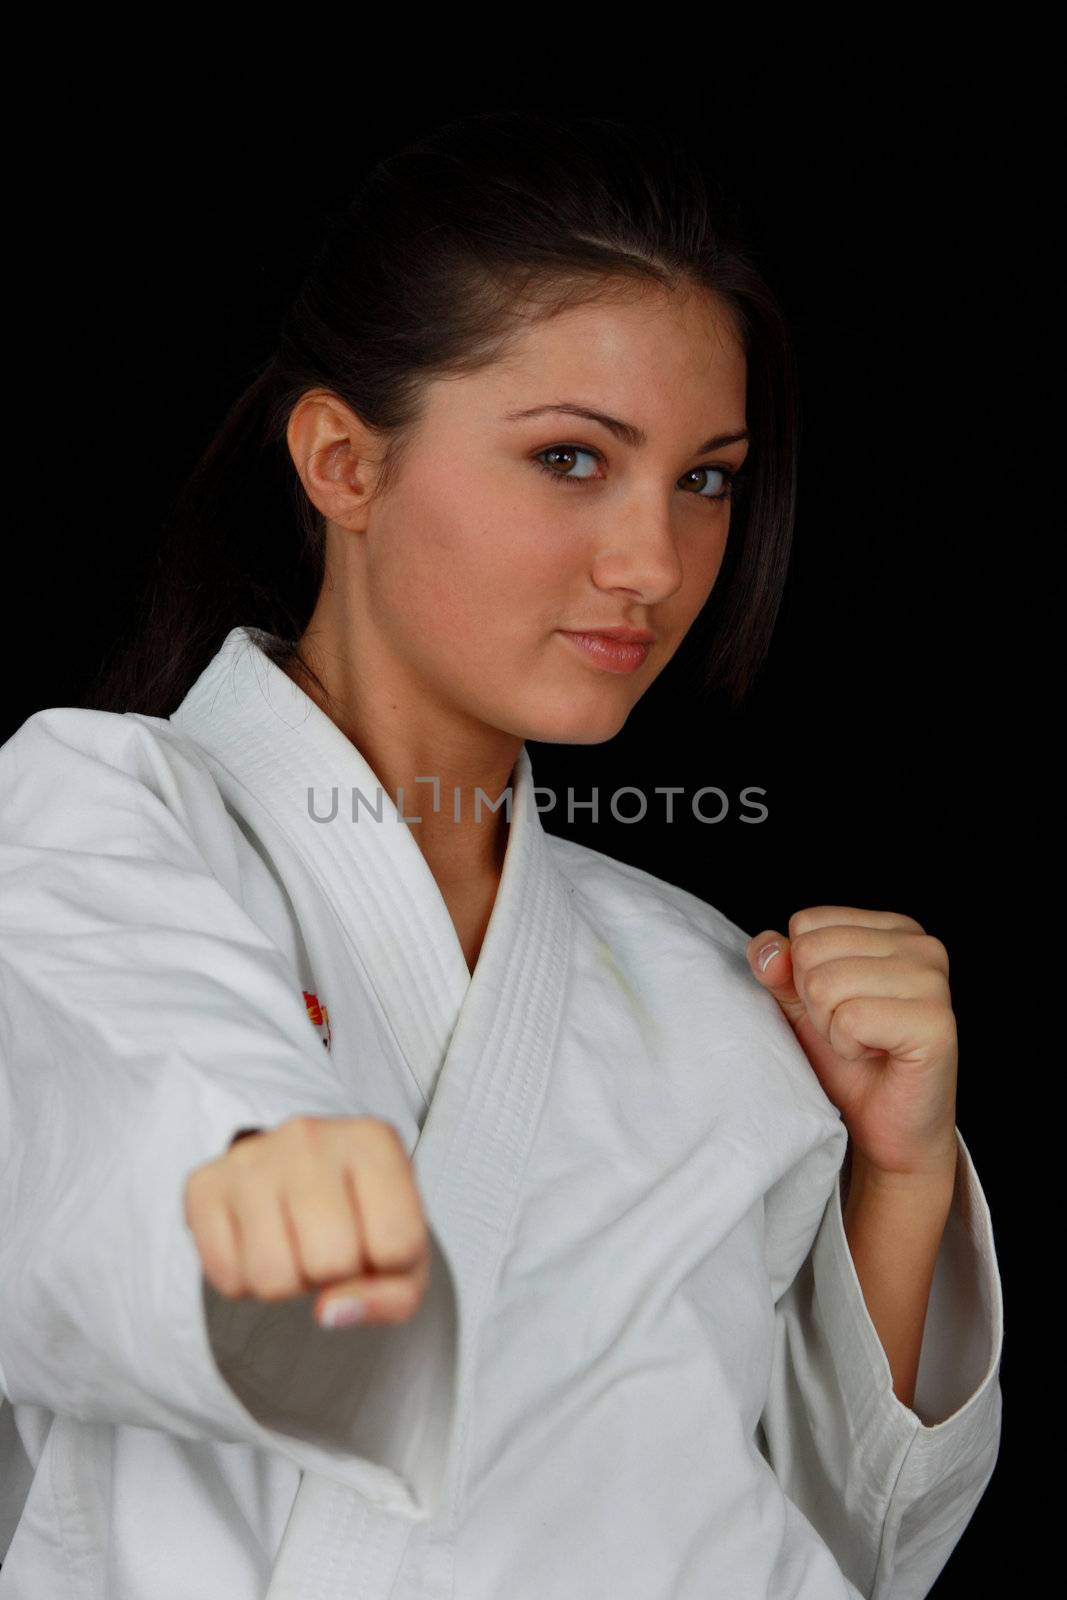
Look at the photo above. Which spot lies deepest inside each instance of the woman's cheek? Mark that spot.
(420, 581)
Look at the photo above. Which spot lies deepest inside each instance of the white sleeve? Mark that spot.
(889, 1489)
(144, 1019)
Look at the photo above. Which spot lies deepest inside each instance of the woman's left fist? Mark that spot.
(867, 995)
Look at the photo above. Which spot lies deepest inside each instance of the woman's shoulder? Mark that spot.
(77, 736)
(79, 778)
(619, 889)
(679, 952)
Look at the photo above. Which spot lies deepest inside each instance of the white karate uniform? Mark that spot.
(643, 1368)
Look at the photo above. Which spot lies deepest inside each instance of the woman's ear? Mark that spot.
(332, 451)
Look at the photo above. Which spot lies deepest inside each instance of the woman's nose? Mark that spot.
(642, 557)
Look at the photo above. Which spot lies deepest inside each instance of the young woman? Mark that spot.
(396, 1199)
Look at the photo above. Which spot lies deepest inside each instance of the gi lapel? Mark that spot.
(310, 793)
(496, 1035)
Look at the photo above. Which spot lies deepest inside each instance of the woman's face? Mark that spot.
(505, 533)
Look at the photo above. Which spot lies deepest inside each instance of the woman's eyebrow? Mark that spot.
(628, 432)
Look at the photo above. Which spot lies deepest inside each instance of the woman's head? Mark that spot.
(506, 261)
(500, 533)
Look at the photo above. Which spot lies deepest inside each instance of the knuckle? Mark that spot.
(933, 948)
(382, 1137)
(272, 1280)
(191, 1195)
(392, 1250)
(411, 1235)
(818, 987)
(400, 1230)
(245, 1155)
(222, 1275)
(403, 1255)
(302, 1129)
(327, 1259)
(943, 1020)
(200, 1195)
(322, 1229)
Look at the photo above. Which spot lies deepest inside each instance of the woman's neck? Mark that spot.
(446, 779)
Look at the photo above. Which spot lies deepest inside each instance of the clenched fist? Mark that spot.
(324, 1203)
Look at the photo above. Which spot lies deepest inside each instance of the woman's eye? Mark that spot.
(721, 479)
(718, 479)
(562, 450)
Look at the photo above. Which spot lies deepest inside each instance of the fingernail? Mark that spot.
(766, 955)
(340, 1313)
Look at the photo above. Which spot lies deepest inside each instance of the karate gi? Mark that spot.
(643, 1368)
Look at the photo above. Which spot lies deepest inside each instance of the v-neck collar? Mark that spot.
(287, 755)
(484, 1047)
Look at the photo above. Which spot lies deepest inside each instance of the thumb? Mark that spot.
(770, 961)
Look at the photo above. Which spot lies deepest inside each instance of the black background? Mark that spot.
(159, 249)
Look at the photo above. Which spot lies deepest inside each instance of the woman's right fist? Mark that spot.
(318, 1203)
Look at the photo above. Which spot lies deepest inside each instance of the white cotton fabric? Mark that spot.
(643, 1368)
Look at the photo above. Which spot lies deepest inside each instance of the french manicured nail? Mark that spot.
(766, 955)
(341, 1313)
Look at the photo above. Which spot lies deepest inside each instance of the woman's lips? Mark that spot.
(611, 654)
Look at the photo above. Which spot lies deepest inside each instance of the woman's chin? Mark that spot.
(576, 724)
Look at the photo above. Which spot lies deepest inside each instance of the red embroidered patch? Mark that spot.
(319, 1016)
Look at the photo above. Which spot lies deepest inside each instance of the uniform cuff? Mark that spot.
(956, 1395)
(370, 1407)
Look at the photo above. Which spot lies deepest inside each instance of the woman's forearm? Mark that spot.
(894, 1226)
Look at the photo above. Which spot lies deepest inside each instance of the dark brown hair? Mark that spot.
(433, 266)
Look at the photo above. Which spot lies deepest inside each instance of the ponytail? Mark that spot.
(237, 547)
